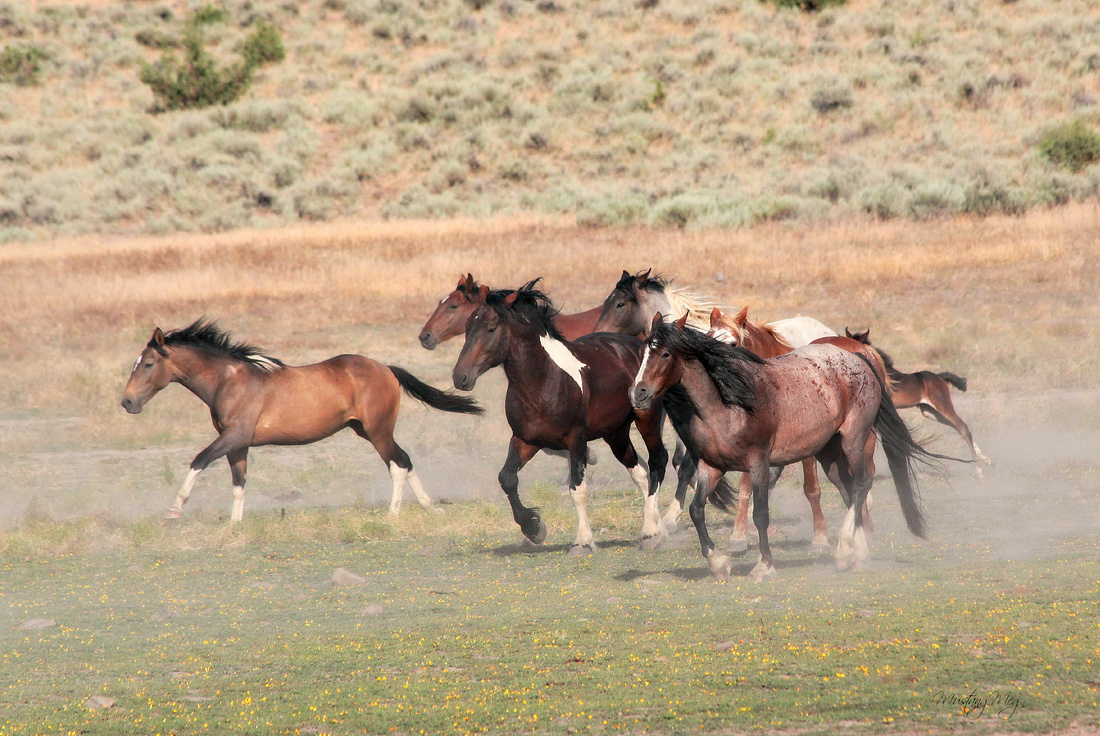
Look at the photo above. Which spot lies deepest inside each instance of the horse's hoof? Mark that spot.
(172, 514)
(719, 567)
(671, 525)
(579, 550)
(650, 543)
(819, 548)
(762, 573)
(539, 536)
(845, 560)
(738, 546)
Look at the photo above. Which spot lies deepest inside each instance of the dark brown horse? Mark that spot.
(749, 414)
(765, 342)
(930, 393)
(561, 395)
(257, 400)
(449, 318)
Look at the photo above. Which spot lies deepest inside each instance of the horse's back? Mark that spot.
(799, 331)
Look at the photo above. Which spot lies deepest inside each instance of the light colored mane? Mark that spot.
(696, 306)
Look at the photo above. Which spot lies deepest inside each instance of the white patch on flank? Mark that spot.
(563, 358)
(641, 369)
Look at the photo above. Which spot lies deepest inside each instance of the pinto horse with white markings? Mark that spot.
(930, 393)
(449, 318)
(256, 400)
(748, 414)
(560, 396)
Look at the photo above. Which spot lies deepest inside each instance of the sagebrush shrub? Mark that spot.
(21, 65)
(196, 81)
(1074, 146)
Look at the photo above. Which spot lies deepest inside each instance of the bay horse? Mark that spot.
(562, 394)
(256, 400)
(450, 315)
(930, 393)
(764, 341)
(750, 413)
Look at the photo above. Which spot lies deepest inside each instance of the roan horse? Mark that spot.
(561, 395)
(257, 400)
(748, 413)
(764, 341)
(449, 318)
(928, 392)
(630, 308)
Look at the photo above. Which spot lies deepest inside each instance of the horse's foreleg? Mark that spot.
(761, 517)
(227, 442)
(738, 541)
(238, 467)
(685, 479)
(812, 488)
(706, 478)
(519, 454)
(653, 526)
(585, 541)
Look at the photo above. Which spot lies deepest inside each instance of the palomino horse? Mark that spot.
(449, 318)
(257, 400)
(561, 395)
(928, 392)
(764, 342)
(748, 413)
(630, 308)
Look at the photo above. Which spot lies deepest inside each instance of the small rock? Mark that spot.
(866, 613)
(346, 577)
(35, 624)
(613, 599)
(725, 645)
(99, 702)
(372, 610)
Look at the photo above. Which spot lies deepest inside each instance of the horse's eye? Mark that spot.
(453, 306)
(620, 305)
(491, 330)
(148, 365)
(666, 355)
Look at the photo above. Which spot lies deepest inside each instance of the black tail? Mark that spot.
(957, 381)
(901, 450)
(724, 496)
(433, 397)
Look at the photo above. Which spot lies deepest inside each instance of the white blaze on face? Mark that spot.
(137, 362)
(641, 369)
(563, 358)
(723, 335)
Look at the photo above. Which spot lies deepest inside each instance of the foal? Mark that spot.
(257, 400)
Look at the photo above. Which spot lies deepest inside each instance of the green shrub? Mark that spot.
(195, 82)
(264, 45)
(810, 6)
(1074, 146)
(21, 65)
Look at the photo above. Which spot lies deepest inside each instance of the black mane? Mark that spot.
(629, 285)
(722, 362)
(531, 307)
(205, 335)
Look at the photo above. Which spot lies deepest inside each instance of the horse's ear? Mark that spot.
(511, 298)
(848, 333)
(482, 293)
(626, 275)
(657, 318)
(158, 339)
(742, 317)
(461, 284)
(715, 316)
(645, 276)
(682, 322)
(863, 337)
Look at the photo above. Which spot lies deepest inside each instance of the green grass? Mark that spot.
(202, 628)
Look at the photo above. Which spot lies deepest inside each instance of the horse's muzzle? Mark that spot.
(133, 407)
(428, 341)
(464, 381)
(640, 397)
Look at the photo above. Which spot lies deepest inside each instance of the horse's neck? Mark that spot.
(199, 373)
(763, 342)
(705, 398)
(527, 366)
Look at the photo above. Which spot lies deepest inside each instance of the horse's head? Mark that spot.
(152, 372)
(726, 329)
(661, 367)
(863, 337)
(487, 342)
(449, 317)
(629, 306)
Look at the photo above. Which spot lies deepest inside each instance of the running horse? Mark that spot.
(561, 395)
(930, 393)
(450, 315)
(747, 413)
(256, 400)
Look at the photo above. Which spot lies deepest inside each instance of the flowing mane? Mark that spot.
(681, 299)
(530, 307)
(722, 362)
(205, 335)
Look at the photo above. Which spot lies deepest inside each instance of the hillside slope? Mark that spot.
(698, 113)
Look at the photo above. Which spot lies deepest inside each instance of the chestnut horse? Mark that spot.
(257, 400)
(928, 392)
(764, 342)
(749, 414)
(560, 395)
(449, 318)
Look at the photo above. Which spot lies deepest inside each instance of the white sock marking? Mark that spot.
(563, 358)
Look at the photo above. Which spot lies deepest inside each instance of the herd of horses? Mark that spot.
(739, 396)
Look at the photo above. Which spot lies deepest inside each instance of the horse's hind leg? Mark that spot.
(847, 469)
(397, 462)
(739, 541)
(811, 487)
(938, 406)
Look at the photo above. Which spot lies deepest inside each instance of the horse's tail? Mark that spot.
(901, 450)
(724, 496)
(434, 397)
(957, 381)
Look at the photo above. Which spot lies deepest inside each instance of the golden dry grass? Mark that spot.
(1006, 298)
